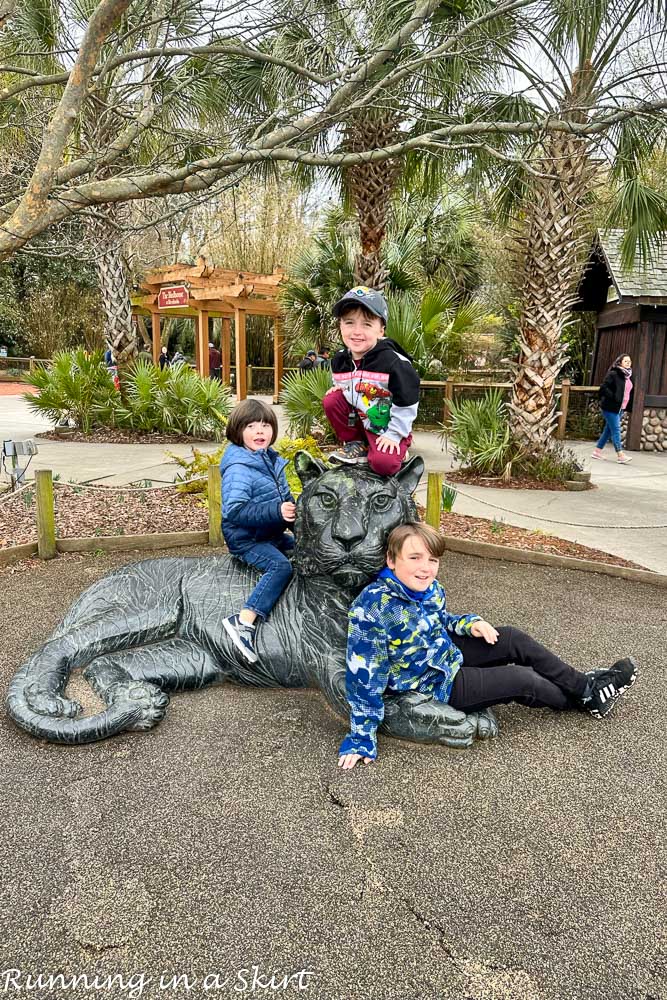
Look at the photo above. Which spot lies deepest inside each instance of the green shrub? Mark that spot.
(480, 432)
(173, 400)
(448, 498)
(301, 396)
(483, 443)
(73, 388)
(556, 463)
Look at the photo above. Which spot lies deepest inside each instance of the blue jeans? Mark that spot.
(612, 429)
(277, 571)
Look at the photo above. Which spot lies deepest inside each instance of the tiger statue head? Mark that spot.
(344, 516)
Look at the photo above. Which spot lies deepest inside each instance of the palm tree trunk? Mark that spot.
(119, 330)
(370, 187)
(550, 253)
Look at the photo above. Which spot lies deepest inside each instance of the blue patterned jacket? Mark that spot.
(397, 641)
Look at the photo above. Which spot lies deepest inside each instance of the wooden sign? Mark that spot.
(173, 297)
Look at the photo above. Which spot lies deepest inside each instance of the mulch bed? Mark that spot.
(515, 483)
(84, 512)
(106, 435)
(478, 529)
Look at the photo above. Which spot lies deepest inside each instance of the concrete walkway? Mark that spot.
(626, 515)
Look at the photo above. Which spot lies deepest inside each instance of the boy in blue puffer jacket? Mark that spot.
(257, 507)
(402, 638)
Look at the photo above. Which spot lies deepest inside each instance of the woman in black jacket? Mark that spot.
(615, 397)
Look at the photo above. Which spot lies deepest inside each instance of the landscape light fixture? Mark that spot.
(14, 451)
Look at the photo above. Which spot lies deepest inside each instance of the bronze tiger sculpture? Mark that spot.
(154, 627)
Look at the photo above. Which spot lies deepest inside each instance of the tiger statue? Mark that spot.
(154, 628)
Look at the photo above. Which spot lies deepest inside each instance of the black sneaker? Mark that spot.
(242, 635)
(605, 687)
(352, 453)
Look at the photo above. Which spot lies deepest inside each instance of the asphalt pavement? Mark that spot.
(227, 847)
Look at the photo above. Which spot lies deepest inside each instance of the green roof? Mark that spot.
(644, 283)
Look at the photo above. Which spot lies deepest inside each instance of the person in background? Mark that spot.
(108, 356)
(615, 398)
(324, 358)
(164, 359)
(308, 362)
(214, 361)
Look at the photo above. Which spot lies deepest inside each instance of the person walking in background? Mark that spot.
(164, 359)
(308, 362)
(214, 361)
(324, 358)
(615, 397)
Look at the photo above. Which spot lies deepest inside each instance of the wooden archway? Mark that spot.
(205, 292)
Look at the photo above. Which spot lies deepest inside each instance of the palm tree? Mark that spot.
(427, 242)
(331, 41)
(550, 199)
(439, 330)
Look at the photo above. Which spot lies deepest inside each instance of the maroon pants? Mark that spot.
(338, 411)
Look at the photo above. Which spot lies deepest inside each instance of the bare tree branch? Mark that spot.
(142, 55)
(201, 175)
(27, 215)
(133, 91)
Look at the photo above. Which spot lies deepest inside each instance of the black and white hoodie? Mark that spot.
(382, 382)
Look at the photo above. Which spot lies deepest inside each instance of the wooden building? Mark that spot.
(205, 292)
(631, 309)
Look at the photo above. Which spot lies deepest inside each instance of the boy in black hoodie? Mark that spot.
(373, 402)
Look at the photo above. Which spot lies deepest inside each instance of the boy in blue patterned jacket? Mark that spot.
(402, 638)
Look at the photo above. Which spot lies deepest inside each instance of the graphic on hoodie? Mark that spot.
(377, 405)
(383, 387)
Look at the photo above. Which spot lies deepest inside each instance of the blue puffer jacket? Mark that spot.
(254, 486)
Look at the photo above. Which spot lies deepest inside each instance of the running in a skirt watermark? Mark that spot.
(253, 979)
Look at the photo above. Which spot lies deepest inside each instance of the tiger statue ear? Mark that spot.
(408, 475)
(307, 467)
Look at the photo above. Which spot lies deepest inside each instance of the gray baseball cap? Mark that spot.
(361, 295)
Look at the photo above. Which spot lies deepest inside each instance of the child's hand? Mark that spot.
(334, 388)
(288, 511)
(386, 444)
(482, 630)
(348, 760)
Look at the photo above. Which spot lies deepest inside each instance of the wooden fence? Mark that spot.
(565, 389)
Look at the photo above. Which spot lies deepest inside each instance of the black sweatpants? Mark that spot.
(515, 668)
